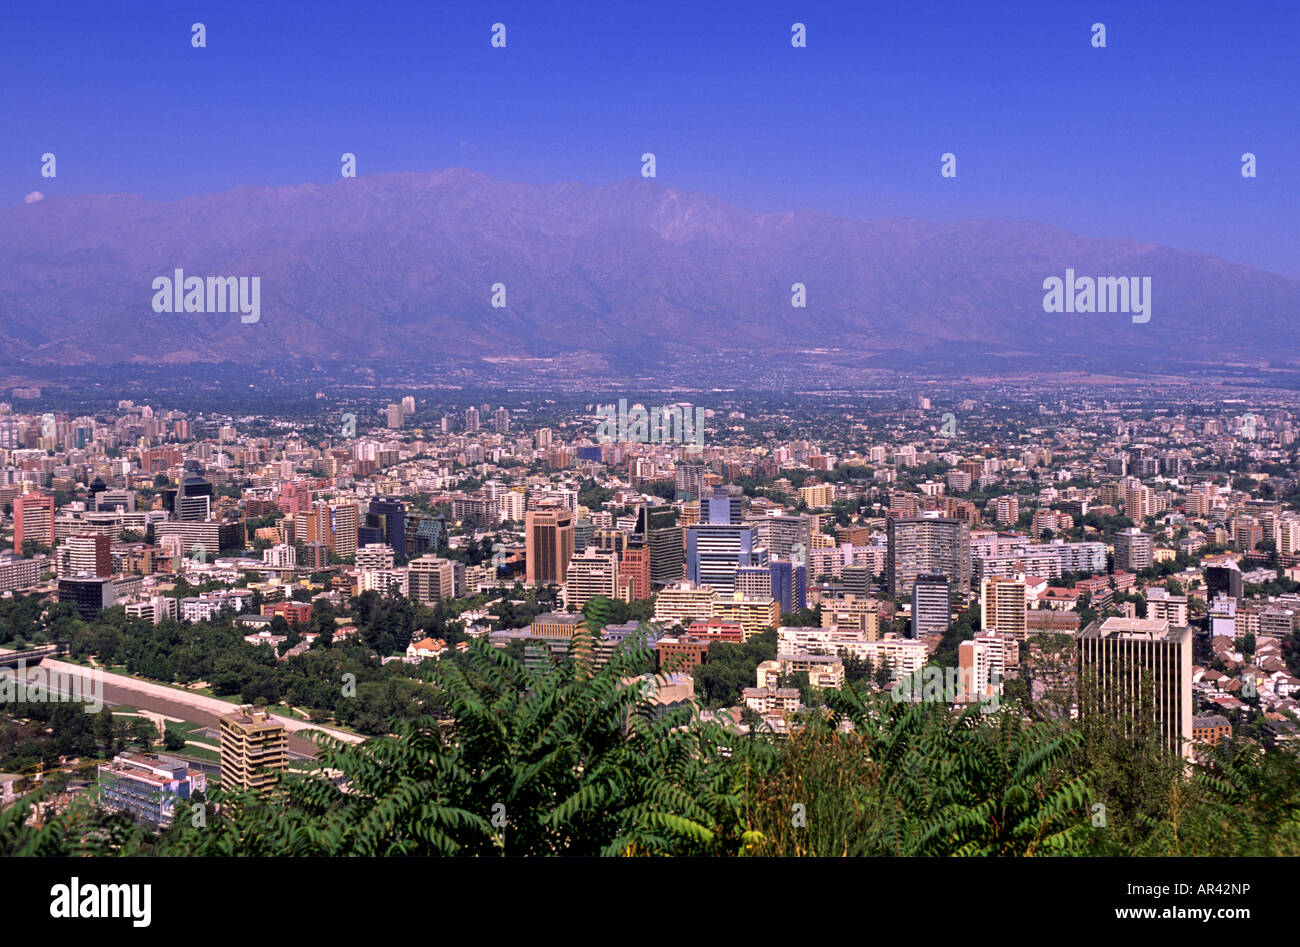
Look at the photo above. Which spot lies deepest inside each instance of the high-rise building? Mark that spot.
(501, 420)
(33, 520)
(856, 580)
(395, 417)
(1133, 666)
(689, 479)
(388, 514)
(295, 497)
(471, 419)
(721, 507)
(254, 750)
(658, 530)
(789, 585)
(931, 605)
(432, 579)
(194, 497)
(1164, 606)
(337, 524)
(89, 555)
(714, 551)
(929, 545)
(591, 573)
(1002, 606)
(1133, 550)
(635, 568)
(548, 545)
(584, 533)
(982, 663)
(1223, 577)
(780, 535)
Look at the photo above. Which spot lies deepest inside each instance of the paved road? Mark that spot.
(118, 689)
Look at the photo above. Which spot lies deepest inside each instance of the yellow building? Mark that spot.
(254, 750)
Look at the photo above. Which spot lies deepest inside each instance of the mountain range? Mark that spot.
(401, 267)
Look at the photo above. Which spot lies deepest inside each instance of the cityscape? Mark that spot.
(689, 432)
(247, 599)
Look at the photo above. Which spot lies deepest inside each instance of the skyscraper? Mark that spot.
(690, 481)
(254, 750)
(33, 519)
(389, 515)
(658, 530)
(714, 551)
(471, 419)
(931, 605)
(591, 573)
(1133, 666)
(931, 545)
(548, 545)
(1132, 550)
(1002, 606)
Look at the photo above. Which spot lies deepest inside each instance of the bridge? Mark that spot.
(11, 659)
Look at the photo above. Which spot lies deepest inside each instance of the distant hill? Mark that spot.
(400, 266)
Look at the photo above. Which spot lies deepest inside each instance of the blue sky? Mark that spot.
(1141, 139)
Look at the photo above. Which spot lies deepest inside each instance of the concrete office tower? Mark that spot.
(1002, 607)
(395, 417)
(1128, 666)
(548, 545)
(657, 528)
(927, 545)
(931, 605)
(501, 420)
(254, 750)
(471, 420)
(1132, 550)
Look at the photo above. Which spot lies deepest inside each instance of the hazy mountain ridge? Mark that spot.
(400, 266)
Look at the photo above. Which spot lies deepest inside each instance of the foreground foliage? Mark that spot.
(570, 760)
